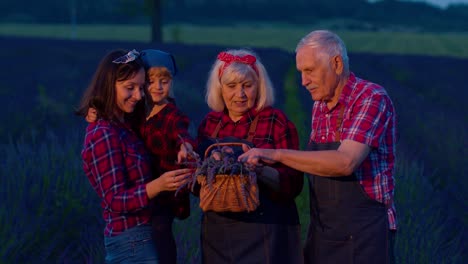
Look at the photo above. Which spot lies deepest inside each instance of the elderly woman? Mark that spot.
(239, 91)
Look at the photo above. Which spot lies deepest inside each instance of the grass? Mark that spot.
(276, 35)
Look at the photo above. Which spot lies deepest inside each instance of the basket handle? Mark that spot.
(232, 144)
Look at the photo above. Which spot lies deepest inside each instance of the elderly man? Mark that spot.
(349, 160)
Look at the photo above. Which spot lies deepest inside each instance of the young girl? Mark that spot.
(117, 163)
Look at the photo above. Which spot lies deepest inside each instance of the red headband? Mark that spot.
(229, 58)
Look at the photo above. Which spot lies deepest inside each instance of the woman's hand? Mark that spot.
(168, 181)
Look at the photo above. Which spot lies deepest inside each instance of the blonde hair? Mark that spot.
(238, 71)
(159, 72)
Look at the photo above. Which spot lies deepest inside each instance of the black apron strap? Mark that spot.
(250, 135)
(216, 131)
(253, 127)
(339, 121)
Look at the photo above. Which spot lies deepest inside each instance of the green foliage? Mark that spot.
(175, 34)
(293, 110)
(427, 231)
(283, 36)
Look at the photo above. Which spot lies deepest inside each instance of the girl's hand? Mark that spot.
(186, 153)
(91, 116)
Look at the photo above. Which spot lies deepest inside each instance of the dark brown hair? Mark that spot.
(100, 93)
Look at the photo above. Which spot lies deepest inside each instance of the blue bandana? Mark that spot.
(157, 58)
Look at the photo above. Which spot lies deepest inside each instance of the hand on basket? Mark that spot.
(218, 154)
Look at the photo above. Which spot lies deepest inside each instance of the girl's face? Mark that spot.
(128, 93)
(159, 85)
(239, 95)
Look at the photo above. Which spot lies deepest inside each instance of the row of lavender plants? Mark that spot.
(50, 213)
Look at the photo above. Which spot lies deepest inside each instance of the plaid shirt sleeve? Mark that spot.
(374, 112)
(181, 125)
(104, 157)
(162, 137)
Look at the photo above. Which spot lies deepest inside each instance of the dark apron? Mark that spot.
(346, 226)
(270, 234)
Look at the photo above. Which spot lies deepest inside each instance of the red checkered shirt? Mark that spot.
(118, 168)
(274, 131)
(369, 118)
(161, 136)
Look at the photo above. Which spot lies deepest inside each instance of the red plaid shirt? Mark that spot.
(161, 136)
(274, 131)
(369, 118)
(118, 168)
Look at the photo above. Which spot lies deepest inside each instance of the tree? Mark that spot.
(148, 8)
(156, 20)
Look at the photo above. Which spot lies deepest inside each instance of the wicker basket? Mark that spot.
(228, 193)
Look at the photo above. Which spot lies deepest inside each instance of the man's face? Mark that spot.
(319, 73)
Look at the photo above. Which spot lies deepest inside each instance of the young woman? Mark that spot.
(164, 130)
(116, 162)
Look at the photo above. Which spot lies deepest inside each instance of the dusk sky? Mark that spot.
(446, 2)
(443, 3)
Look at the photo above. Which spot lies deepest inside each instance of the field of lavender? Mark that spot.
(51, 215)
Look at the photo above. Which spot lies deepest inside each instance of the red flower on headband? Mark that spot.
(228, 58)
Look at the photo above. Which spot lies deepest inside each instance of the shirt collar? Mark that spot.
(345, 95)
(246, 117)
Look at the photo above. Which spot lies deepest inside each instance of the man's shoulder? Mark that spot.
(366, 87)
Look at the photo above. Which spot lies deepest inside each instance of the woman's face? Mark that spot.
(159, 85)
(129, 92)
(239, 95)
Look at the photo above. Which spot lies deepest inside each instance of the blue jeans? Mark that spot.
(135, 245)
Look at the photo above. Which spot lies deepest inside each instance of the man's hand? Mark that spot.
(256, 156)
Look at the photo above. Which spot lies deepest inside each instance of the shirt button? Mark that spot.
(323, 137)
(326, 115)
